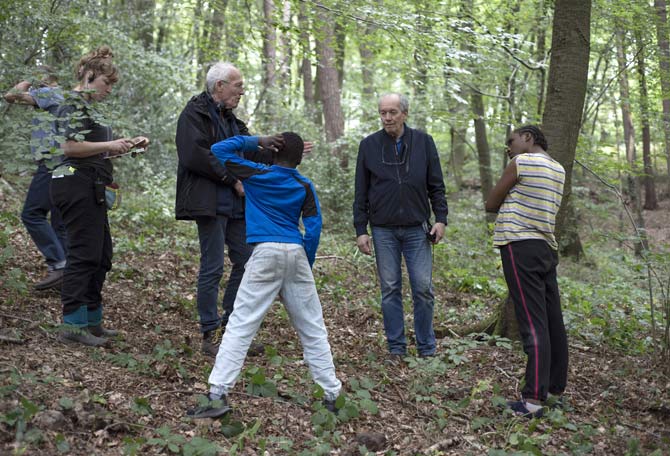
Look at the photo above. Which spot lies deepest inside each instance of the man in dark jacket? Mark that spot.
(398, 179)
(214, 198)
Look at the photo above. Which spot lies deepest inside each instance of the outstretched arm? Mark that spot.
(20, 94)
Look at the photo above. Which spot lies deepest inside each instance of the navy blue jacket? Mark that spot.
(204, 187)
(276, 198)
(395, 189)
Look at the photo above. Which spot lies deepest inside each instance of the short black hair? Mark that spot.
(291, 152)
(536, 133)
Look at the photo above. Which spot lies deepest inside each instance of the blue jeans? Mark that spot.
(50, 239)
(391, 244)
(273, 268)
(214, 234)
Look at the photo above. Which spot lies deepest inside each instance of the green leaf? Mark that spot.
(370, 406)
(62, 444)
(66, 403)
(232, 429)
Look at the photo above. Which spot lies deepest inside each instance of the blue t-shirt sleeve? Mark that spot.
(226, 152)
(46, 97)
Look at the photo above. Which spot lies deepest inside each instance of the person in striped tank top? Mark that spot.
(527, 198)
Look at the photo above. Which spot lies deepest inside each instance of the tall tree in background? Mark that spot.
(650, 201)
(629, 135)
(268, 91)
(664, 74)
(306, 64)
(570, 45)
(328, 82)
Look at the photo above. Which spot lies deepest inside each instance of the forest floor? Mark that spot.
(131, 398)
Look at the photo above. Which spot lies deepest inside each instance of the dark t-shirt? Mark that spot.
(79, 121)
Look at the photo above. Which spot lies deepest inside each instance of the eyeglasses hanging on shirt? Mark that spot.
(394, 154)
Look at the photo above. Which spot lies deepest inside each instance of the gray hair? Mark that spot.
(404, 101)
(220, 71)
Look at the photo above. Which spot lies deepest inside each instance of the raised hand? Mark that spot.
(273, 143)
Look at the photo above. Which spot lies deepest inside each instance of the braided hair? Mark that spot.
(537, 135)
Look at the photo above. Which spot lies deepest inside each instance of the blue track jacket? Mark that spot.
(276, 198)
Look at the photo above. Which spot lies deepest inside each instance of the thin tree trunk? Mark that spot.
(164, 24)
(269, 64)
(144, 22)
(483, 152)
(287, 52)
(329, 88)
(629, 135)
(571, 35)
(650, 201)
(419, 73)
(306, 64)
(541, 55)
(664, 73)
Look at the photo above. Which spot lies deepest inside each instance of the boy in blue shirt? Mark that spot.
(277, 197)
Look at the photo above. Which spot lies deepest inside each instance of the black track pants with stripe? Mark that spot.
(530, 273)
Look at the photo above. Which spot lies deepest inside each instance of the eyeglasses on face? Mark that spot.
(237, 85)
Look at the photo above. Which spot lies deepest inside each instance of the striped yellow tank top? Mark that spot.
(530, 207)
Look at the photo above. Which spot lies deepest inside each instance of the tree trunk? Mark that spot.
(650, 201)
(541, 55)
(664, 73)
(144, 22)
(306, 64)
(419, 74)
(340, 42)
(483, 152)
(287, 53)
(164, 24)
(570, 44)
(629, 136)
(269, 65)
(329, 88)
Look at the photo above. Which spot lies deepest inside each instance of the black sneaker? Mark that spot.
(427, 355)
(329, 404)
(213, 408)
(519, 408)
(256, 349)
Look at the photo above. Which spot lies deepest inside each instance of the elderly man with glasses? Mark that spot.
(398, 181)
(213, 197)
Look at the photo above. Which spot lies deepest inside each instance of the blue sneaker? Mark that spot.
(519, 408)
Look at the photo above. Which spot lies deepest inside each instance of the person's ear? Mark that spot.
(89, 76)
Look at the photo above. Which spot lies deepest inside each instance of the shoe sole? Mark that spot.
(214, 413)
(67, 341)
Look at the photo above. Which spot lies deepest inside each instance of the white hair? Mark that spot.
(403, 100)
(220, 71)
